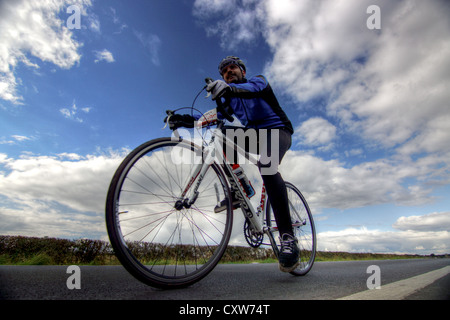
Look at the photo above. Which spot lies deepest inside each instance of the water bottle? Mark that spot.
(246, 184)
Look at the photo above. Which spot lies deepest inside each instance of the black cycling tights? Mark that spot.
(268, 167)
(275, 186)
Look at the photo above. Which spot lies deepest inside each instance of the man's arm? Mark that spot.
(253, 88)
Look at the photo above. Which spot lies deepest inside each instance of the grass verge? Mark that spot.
(18, 250)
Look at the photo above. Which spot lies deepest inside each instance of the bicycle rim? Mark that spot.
(160, 245)
(303, 227)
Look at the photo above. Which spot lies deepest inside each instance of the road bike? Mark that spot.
(161, 208)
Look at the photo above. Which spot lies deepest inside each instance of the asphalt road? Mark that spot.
(256, 282)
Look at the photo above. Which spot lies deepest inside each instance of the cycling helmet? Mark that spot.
(231, 60)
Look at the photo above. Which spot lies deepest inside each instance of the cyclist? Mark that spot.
(253, 102)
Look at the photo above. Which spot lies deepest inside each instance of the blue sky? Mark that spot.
(370, 107)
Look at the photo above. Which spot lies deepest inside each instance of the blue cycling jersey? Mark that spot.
(255, 105)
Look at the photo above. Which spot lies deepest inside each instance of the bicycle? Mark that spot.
(160, 213)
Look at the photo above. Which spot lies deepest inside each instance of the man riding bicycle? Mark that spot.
(254, 104)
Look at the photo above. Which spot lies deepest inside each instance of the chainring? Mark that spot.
(254, 240)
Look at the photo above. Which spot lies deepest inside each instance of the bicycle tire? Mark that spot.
(304, 229)
(157, 243)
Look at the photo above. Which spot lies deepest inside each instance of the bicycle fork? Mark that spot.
(198, 175)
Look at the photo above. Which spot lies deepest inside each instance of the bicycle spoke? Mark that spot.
(169, 245)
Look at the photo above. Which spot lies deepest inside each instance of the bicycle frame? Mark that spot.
(210, 156)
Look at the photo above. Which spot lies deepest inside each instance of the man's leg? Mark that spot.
(277, 193)
(274, 183)
(278, 197)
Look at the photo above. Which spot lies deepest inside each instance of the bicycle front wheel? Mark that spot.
(158, 241)
(302, 225)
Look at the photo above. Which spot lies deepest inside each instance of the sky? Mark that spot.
(83, 82)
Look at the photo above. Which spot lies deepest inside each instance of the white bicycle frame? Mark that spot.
(210, 156)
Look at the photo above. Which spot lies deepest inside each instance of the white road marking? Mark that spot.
(400, 289)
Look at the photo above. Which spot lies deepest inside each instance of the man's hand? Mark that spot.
(180, 120)
(218, 89)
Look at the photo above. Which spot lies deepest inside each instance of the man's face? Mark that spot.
(233, 74)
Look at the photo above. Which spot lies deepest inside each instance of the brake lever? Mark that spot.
(220, 107)
(169, 113)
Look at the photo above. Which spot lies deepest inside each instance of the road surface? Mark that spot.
(421, 279)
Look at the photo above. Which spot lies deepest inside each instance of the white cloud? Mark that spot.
(315, 132)
(69, 156)
(72, 112)
(152, 43)
(436, 221)
(376, 241)
(117, 21)
(32, 30)
(20, 138)
(333, 184)
(206, 7)
(8, 85)
(434, 136)
(60, 195)
(235, 22)
(94, 23)
(104, 55)
(15, 139)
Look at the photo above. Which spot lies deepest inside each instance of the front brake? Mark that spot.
(169, 113)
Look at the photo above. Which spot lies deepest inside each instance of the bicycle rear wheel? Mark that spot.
(303, 227)
(157, 241)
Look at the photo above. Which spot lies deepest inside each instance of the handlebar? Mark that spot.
(221, 106)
